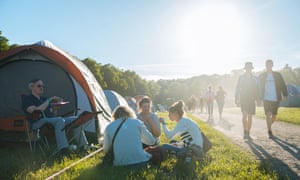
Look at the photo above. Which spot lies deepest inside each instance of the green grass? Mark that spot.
(224, 161)
(285, 114)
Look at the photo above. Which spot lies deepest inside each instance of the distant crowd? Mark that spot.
(268, 89)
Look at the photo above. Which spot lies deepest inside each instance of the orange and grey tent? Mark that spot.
(63, 74)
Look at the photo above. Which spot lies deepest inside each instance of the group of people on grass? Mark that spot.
(268, 87)
(143, 130)
(129, 134)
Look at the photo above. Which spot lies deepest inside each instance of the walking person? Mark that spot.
(209, 98)
(273, 91)
(220, 99)
(201, 104)
(246, 93)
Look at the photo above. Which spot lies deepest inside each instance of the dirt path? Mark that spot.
(282, 153)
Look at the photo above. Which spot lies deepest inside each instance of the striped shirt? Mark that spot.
(188, 130)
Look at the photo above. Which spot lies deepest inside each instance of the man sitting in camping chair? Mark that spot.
(35, 101)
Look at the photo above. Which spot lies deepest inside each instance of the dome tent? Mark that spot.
(114, 99)
(293, 99)
(63, 74)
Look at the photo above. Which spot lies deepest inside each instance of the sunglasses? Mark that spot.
(40, 86)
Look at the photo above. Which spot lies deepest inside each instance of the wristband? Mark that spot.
(49, 100)
(163, 123)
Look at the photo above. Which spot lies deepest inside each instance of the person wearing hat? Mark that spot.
(273, 91)
(246, 93)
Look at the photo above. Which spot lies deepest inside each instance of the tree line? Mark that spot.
(163, 91)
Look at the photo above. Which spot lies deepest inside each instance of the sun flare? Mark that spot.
(212, 33)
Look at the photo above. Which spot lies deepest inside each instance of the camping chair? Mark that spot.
(80, 120)
(83, 118)
(34, 136)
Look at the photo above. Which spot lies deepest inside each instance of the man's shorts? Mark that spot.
(248, 106)
(271, 106)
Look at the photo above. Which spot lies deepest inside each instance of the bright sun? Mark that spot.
(210, 34)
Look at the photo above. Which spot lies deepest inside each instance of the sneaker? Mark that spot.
(270, 134)
(83, 151)
(249, 137)
(65, 152)
(245, 135)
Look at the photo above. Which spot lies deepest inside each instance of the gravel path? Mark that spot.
(282, 152)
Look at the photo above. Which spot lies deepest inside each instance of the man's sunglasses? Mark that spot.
(40, 86)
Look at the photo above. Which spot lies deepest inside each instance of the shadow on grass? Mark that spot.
(170, 169)
(17, 160)
(266, 160)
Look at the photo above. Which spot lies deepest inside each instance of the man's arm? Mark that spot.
(283, 87)
(43, 106)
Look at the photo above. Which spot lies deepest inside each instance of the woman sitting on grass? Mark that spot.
(127, 146)
(187, 129)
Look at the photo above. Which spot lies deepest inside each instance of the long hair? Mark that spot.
(178, 108)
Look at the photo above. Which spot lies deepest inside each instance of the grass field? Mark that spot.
(285, 114)
(223, 161)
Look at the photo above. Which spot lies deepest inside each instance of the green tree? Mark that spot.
(288, 75)
(4, 46)
(129, 77)
(95, 68)
(113, 77)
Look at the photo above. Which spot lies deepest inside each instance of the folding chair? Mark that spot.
(83, 118)
(34, 136)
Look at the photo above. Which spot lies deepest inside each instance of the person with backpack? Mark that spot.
(125, 136)
(187, 129)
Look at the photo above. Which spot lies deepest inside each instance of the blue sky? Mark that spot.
(162, 38)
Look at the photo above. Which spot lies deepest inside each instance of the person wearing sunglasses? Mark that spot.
(36, 101)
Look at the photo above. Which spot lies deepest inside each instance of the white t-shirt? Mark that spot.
(188, 130)
(209, 96)
(270, 89)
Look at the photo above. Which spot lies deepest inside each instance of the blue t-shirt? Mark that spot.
(31, 100)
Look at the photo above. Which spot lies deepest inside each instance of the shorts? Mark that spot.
(271, 106)
(248, 106)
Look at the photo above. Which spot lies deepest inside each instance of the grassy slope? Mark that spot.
(224, 161)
